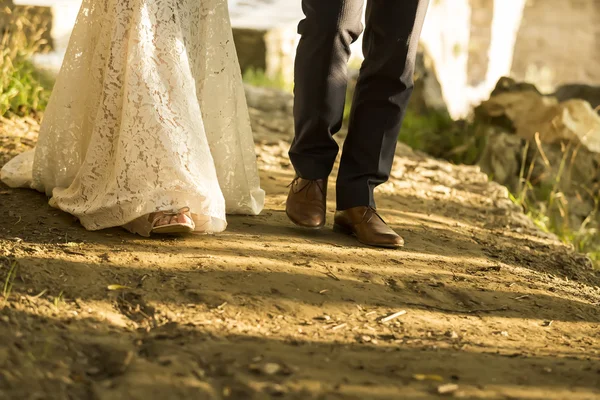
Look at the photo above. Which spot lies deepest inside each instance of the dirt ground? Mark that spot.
(492, 307)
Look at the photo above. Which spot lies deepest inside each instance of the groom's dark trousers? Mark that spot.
(382, 93)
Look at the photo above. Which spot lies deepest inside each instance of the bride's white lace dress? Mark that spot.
(148, 113)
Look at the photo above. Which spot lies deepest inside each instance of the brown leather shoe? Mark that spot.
(368, 227)
(306, 203)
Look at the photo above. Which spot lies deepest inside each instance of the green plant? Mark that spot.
(23, 89)
(258, 78)
(58, 300)
(435, 133)
(548, 206)
(8, 282)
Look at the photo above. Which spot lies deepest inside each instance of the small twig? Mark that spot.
(76, 253)
(209, 257)
(425, 306)
(393, 316)
(40, 294)
(541, 150)
(340, 326)
(330, 273)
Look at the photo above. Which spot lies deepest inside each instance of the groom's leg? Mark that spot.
(326, 33)
(384, 87)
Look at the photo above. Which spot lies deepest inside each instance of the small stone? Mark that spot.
(199, 373)
(323, 318)
(452, 335)
(165, 361)
(93, 371)
(447, 388)
(271, 368)
(276, 390)
(107, 383)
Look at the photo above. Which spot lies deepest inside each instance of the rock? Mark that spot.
(452, 335)
(269, 100)
(275, 389)
(271, 368)
(530, 113)
(501, 158)
(107, 360)
(591, 94)
(447, 388)
(427, 94)
(509, 85)
(562, 155)
(271, 50)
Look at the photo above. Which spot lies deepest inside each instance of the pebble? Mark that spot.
(447, 388)
(271, 368)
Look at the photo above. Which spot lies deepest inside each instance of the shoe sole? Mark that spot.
(312, 228)
(173, 229)
(349, 232)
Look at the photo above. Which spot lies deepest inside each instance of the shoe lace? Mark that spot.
(369, 213)
(307, 186)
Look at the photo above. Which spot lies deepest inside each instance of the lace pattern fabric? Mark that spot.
(148, 113)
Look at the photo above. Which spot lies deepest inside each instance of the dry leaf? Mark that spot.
(427, 377)
(118, 287)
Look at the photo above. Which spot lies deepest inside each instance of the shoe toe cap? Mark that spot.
(306, 219)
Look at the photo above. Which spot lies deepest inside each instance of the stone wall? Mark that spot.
(558, 42)
(272, 51)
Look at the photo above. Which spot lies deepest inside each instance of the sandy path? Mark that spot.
(494, 308)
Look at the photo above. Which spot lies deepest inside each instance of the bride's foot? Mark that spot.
(172, 222)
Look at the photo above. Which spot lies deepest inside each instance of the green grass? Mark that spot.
(258, 78)
(8, 282)
(549, 209)
(58, 300)
(23, 89)
(437, 134)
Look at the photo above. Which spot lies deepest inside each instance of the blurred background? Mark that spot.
(510, 85)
